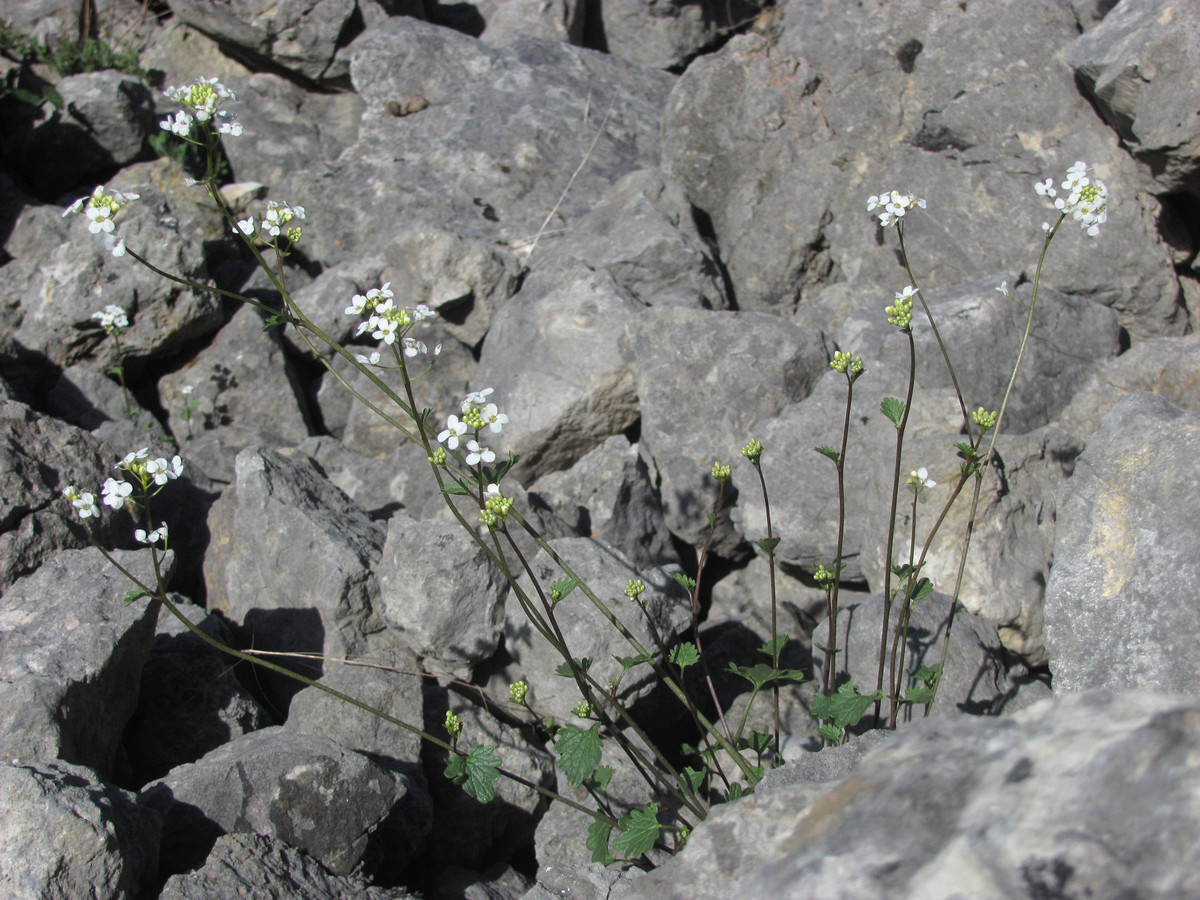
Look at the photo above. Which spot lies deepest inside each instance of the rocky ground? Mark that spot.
(644, 225)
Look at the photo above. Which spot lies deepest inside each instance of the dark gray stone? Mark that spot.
(1121, 603)
(64, 833)
(302, 789)
(72, 653)
(1000, 808)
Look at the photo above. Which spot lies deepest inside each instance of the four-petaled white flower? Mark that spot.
(132, 457)
(894, 204)
(477, 454)
(413, 347)
(85, 502)
(372, 360)
(454, 430)
(495, 419)
(246, 226)
(158, 534)
(115, 492)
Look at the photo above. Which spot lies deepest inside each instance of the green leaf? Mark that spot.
(476, 772)
(684, 655)
(758, 741)
(769, 648)
(688, 584)
(602, 776)
(564, 667)
(560, 588)
(137, 595)
(927, 674)
(628, 662)
(455, 487)
(893, 409)
(924, 589)
(578, 751)
(639, 831)
(761, 674)
(966, 451)
(597, 841)
(712, 520)
(919, 695)
(691, 779)
(768, 545)
(830, 732)
(274, 321)
(830, 452)
(736, 792)
(845, 708)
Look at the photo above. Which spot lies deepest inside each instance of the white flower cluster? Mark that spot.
(477, 413)
(201, 102)
(894, 204)
(275, 221)
(389, 323)
(111, 318)
(1086, 201)
(150, 474)
(101, 207)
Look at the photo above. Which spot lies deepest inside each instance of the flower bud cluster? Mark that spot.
(276, 221)
(201, 102)
(900, 312)
(984, 419)
(477, 414)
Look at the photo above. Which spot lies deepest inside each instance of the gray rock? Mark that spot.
(399, 481)
(265, 571)
(81, 276)
(586, 631)
(302, 789)
(104, 123)
(300, 38)
(643, 232)
(480, 108)
(1012, 808)
(703, 379)
(242, 379)
(588, 881)
(86, 399)
(1137, 64)
(507, 20)
(282, 123)
(72, 654)
(500, 882)
(66, 834)
(982, 330)
(1120, 603)
(608, 495)
(667, 35)
(1169, 367)
(552, 355)
(39, 458)
(190, 700)
(813, 125)
(828, 764)
(441, 594)
(266, 868)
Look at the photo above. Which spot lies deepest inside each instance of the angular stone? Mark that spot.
(1121, 602)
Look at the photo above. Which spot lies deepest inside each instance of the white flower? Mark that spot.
(358, 305)
(495, 419)
(115, 492)
(476, 398)
(492, 490)
(112, 316)
(413, 347)
(1086, 201)
(894, 204)
(187, 389)
(162, 471)
(454, 430)
(372, 360)
(227, 125)
(422, 312)
(84, 502)
(919, 479)
(180, 124)
(176, 467)
(385, 329)
(132, 457)
(246, 226)
(1003, 289)
(477, 454)
(158, 534)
